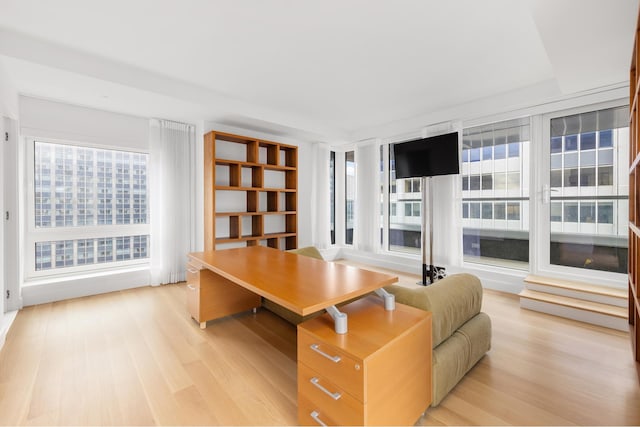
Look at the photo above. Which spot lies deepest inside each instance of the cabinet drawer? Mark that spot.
(193, 290)
(331, 363)
(306, 411)
(328, 399)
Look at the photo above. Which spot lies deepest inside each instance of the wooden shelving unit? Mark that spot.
(267, 173)
(634, 197)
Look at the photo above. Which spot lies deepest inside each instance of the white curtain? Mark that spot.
(447, 223)
(170, 171)
(367, 230)
(321, 208)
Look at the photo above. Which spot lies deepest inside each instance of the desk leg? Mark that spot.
(389, 299)
(339, 320)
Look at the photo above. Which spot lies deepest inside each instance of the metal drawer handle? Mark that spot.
(316, 417)
(316, 348)
(316, 382)
(193, 288)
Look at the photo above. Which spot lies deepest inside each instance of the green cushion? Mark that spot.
(310, 251)
(458, 354)
(452, 301)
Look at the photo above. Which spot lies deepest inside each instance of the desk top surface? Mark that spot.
(302, 284)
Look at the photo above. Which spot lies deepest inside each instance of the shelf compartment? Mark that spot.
(222, 214)
(232, 188)
(265, 237)
(227, 162)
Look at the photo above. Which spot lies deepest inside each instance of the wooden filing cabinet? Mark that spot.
(378, 373)
(211, 296)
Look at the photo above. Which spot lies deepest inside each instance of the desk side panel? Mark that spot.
(220, 297)
(398, 378)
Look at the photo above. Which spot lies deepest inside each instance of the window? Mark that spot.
(588, 206)
(494, 229)
(332, 195)
(350, 194)
(405, 198)
(85, 202)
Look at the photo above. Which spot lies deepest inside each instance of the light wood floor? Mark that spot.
(136, 358)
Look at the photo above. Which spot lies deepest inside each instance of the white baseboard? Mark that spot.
(44, 292)
(5, 323)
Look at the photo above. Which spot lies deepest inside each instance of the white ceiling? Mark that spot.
(326, 68)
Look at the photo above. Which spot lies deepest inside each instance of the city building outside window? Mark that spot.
(350, 195)
(589, 193)
(495, 204)
(88, 208)
(405, 199)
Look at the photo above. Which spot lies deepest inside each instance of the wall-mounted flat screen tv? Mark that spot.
(435, 155)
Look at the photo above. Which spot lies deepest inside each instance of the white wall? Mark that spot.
(42, 118)
(8, 110)
(8, 96)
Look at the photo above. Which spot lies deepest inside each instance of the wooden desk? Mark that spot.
(377, 373)
(301, 284)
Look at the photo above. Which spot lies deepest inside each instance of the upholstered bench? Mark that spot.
(461, 332)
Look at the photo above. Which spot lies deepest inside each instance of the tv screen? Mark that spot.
(435, 155)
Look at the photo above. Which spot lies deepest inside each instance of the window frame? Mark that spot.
(542, 214)
(35, 234)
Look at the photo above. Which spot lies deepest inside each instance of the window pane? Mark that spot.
(474, 182)
(571, 160)
(487, 153)
(487, 211)
(474, 210)
(350, 194)
(605, 212)
(571, 143)
(404, 224)
(605, 157)
(591, 234)
(571, 212)
(588, 141)
(500, 151)
(513, 211)
(587, 212)
(605, 175)
(514, 149)
(495, 240)
(606, 138)
(77, 186)
(571, 177)
(332, 195)
(556, 178)
(500, 181)
(587, 177)
(487, 182)
(474, 155)
(465, 210)
(556, 211)
(513, 181)
(556, 144)
(587, 158)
